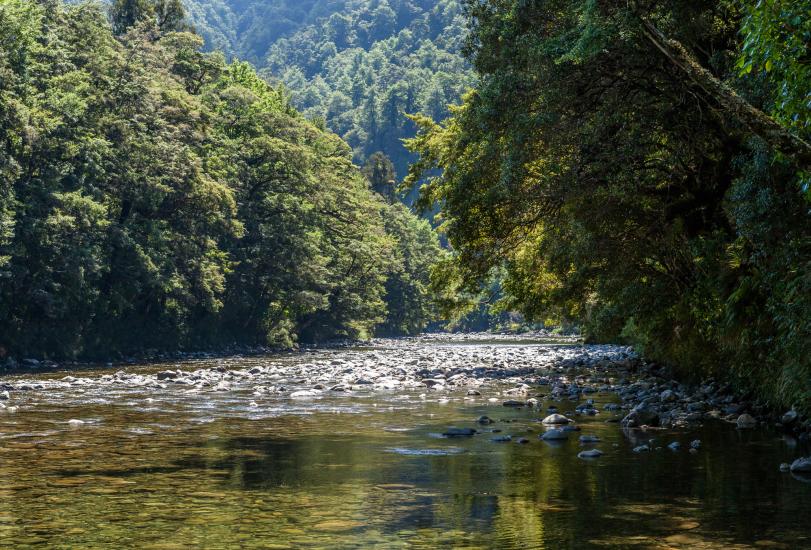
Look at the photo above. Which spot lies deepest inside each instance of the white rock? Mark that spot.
(556, 419)
(305, 393)
(74, 422)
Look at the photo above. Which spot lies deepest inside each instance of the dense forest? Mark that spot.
(357, 65)
(643, 168)
(155, 196)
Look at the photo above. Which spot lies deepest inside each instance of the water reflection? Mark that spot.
(164, 471)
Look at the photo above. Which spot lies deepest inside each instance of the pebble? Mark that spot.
(695, 445)
(75, 422)
(641, 449)
(484, 420)
(675, 446)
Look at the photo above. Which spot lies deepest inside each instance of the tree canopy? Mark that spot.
(154, 196)
(358, 65)
(640, 167)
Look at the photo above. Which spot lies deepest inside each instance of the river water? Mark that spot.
(220, 457)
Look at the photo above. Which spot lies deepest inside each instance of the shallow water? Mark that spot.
(176, 468)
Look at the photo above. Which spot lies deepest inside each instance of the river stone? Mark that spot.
(789, 418)
(554, 435)
(695, 445)
(668, 396)
(746, 421)
(591, 453)
(641, 449)
(75, 422)
(502, 439)
(675, 446)
(474, 393)
(522, 440)
(459, 432)
(641, 416)
(304, 393)
(5, 396)
(513, 403)
(589, 439)
(785, 467)
(167, 375)
(484, 420)
(556, 419)
(801, 466)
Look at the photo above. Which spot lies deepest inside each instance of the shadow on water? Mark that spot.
(379, 476)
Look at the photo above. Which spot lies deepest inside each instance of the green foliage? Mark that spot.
(776, 36)
(618, 190)
(155, 197)
(409, 295)
(361, 65)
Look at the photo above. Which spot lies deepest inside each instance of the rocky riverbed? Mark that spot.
(496, 441)
(547, 378)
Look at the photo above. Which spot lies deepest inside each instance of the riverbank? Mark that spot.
(563, 370)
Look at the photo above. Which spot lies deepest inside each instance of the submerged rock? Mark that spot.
(459, 432)
(675, 446)
(554, 435)
(484, 420)
(513, 403)
(589, 439)
(502, 439)
(641, 449)
(591, 453)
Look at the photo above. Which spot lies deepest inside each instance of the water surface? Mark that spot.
(177, 468)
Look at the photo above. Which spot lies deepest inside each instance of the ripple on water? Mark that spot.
(425, 452)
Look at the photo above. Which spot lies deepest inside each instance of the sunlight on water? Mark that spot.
(168, 468)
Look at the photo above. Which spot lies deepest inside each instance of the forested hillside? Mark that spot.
(642, 168)
(156, 197)
(360, 65)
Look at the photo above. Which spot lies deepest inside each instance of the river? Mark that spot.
(343, 448)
